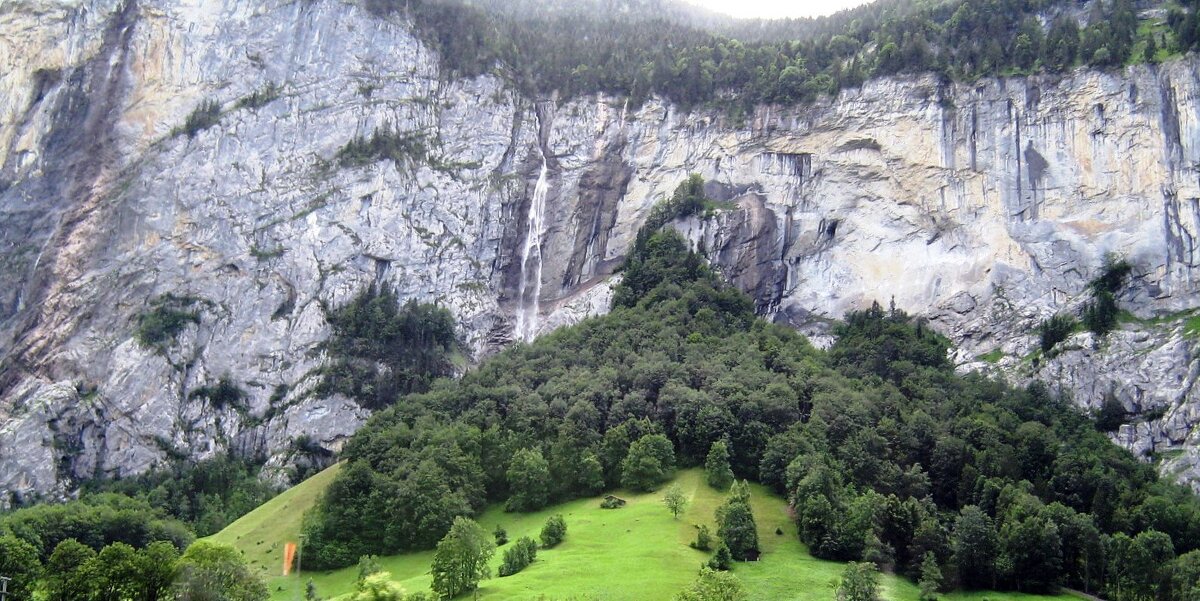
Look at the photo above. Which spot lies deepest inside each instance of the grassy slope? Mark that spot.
(260, 534)
(638, 552)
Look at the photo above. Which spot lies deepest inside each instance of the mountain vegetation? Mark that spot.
(886, 454)
(381, 349)
(205, 495)
(640, 49)
(117, 557)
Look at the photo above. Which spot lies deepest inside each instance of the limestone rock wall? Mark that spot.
(983, 207)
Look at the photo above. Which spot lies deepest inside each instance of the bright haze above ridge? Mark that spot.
(776, 9)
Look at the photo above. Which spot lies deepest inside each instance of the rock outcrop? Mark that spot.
(984, 207)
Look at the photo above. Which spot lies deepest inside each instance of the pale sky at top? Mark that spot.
(777, 8)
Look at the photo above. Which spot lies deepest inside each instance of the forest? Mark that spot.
(886, 454)
(736, 65)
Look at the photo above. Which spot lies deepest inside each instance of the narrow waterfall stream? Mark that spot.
(530, 289)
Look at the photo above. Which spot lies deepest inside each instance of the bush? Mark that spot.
(384, 144)
(1055, 330)
(367, 565)
(260, 97)
(554, 531)
(721, 560)
(519, 556)
(206, 115)
(501, 536)
(703, 540)
(167, 317)
(225, 393)
(1100, 315)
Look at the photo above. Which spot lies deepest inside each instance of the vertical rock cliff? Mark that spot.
(985, 207)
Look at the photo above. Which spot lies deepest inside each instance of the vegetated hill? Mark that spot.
(884, 452)
(638, 552)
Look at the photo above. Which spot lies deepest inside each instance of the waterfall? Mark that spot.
(530, 290)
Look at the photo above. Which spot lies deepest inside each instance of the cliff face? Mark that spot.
(984, 207)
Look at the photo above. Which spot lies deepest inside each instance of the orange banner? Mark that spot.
(289, 555)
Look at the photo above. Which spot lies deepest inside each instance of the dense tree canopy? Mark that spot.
(648, 48)
(381, 349)
(96, 521)
(207, 495)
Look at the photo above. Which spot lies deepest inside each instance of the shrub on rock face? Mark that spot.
(166, 318)
(206, 115)
(1055, 330)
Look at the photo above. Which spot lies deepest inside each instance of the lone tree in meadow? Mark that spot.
(461, 560)
(675, 500)
(931, 577)
(860, 582)
(716, 467)
(736, 525)
(554, 531)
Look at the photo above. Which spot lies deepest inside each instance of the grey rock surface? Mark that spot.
(984, 207)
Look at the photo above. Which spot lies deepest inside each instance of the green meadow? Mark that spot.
(635, 552)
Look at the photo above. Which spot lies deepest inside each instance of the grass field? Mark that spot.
(260, 534)
(636, 552)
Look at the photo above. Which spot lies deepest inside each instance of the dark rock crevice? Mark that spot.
(44, 212)
(601, 189)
